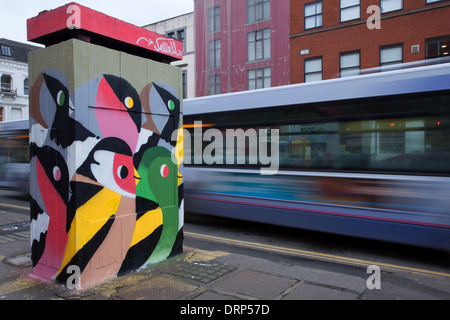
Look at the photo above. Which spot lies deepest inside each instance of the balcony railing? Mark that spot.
(7, 90)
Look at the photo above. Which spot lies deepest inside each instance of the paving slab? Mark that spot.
(254, 284)
(306, 291)
(159, 288)
(204, 272)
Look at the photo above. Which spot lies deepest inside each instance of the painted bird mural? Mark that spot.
(104, 186)
(162, 108)
(157, 206)
(50, 106)
(118, 110)
(105, 190)
(49, 205)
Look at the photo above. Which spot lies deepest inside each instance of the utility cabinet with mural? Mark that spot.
(105, 149)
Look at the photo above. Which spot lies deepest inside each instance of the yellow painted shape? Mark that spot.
(137, 177)
(89, 219)
(146, 225)
(178, 152)
(17, 285)
(202, 255)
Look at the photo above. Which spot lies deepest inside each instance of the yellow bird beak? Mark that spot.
(137, 177)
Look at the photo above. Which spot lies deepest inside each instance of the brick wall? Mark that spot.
(410, 26)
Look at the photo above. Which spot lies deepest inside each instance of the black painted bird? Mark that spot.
(49, 205)
(162, 109)
(118, 110)
(64, 129)
(99, 185)
(169, 104)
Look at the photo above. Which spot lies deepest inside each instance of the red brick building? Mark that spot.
(241, 45)
(330, 39)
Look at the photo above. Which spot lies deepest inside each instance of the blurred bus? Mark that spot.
(365, 156)
(14, 155)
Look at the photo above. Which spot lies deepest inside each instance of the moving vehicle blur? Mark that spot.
(364, 156)
(14, 156)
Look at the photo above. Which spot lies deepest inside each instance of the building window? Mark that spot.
(184, 83)
(6, 83)
(214, 84)
(349, 63)
(437, 47)
(16, 113)
(1, 114)
(180, 35)
(6, 51)
(392, 54)
(214, 54)
(313, 69)
(259, 78)
(313, 15)
(433, 1)
(391, 5)
(214, 19)
(258, 45)
(26, 89)
(258, 10)
(350, 10)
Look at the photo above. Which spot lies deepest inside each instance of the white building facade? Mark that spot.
(14, 80)
(181, 28)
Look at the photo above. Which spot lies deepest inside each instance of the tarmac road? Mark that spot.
(220, 265)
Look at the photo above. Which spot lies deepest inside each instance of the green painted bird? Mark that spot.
(157, 222)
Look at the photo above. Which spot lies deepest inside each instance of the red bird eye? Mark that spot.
(164, 171)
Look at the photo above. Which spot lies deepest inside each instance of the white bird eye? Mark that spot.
(57, 173)
(171, 105)
(122, 172)
(60, 98)
(129, 103)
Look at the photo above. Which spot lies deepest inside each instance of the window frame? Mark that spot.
(6, 86)
(383, 12)
(256, 5)
(437, 40)
(433, 1)
(263, 41)
(184, 83)
(263, 78)
(352, 67)
(391, 46)
(217, 87)
(26, 87)
(214, 15)
(214, 53)
(314, 15)
(6, 51)
(314, 72)
(175, 34)
(341, 9)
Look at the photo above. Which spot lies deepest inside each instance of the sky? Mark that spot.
(14, 14)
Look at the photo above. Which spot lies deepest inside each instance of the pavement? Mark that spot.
(200, 275)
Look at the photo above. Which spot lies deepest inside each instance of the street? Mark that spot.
(308, 262)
